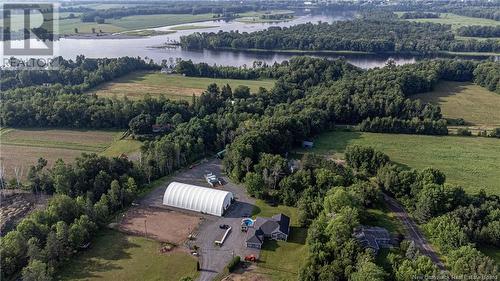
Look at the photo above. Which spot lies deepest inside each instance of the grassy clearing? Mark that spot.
(384, 218)
(475, 104)
(124, 146)
(192, 26)
(471, 162)
(137, 85)
(116, 256)
(21, 148)
(281, 260)
(457, 21)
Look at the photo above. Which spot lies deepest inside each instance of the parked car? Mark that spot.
(223, 226)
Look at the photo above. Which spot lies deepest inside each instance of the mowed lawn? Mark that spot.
(475, 104)
(116, 256)
(138, 85)
(21, 148)
(281, 260)
(471, 162)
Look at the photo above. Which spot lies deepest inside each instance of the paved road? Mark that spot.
(412, 231)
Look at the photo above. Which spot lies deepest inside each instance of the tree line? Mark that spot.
(79, 75)
(420, 15)
(362, 35)
(413, 126)
(479, 31)
(488, 76)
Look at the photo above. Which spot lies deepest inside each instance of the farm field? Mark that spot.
(471, 162)
(21, 148)
(255, 17)
(147, 32)
(67, 26)
(475, 104)
(116, 256)
(281, 260)
(137, 85)
(192, 26)
(457, 21)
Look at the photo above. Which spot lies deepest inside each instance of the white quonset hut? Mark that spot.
(197, 198)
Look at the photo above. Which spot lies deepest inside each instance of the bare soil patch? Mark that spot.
(159, 224)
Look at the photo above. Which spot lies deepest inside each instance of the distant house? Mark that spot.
(166, 70)
(307, 144)
(160, 128)
(374, 237)
(276, 228)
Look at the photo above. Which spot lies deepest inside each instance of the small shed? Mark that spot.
(307, 144)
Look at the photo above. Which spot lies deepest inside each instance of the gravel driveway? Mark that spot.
(213, 258)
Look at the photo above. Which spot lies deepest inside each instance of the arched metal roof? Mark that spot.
(197, 198)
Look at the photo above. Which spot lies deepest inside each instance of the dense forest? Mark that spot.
(479, 31)
(363, 35)
(419, 15)
(79, 75)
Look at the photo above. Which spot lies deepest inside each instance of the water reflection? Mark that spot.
(97, 48)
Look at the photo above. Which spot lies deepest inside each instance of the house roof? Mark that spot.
(284, 222)
(370, 236)
(255, 236)
(266, 226)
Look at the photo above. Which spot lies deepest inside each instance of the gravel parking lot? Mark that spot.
(212, 258)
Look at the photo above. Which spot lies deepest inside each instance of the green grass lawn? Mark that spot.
(116, 256)
(384, 218)
(475, 104)
(137, 85)
(457, 21)
(281, 260)
(472, 162)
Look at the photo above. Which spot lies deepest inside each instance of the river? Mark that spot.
(147, 47)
